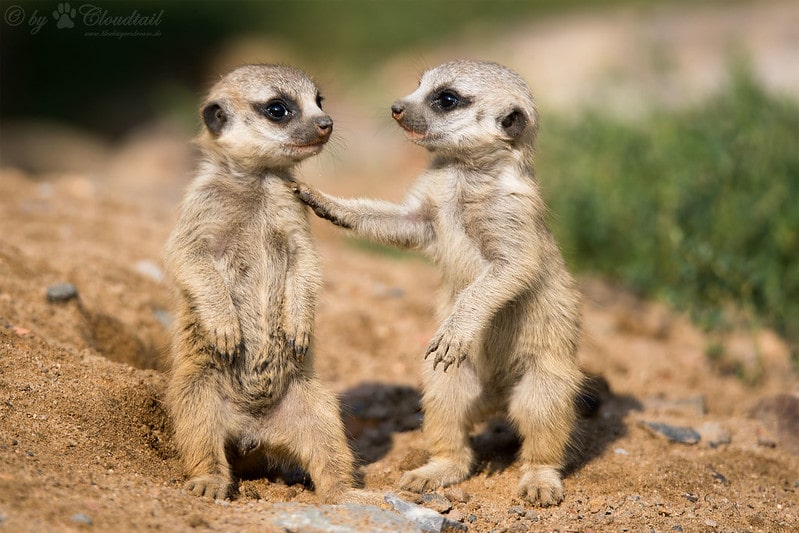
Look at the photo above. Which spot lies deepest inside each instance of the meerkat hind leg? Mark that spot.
(200, 432)
(542, 409)
(451, 401)
(307, 426)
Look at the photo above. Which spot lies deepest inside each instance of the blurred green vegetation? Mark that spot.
(699, 207)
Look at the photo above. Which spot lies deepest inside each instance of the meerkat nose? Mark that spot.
(397, 110)
(324, 125)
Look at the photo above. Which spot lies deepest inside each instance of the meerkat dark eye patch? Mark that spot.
(514, 123)
(319, 99)
(214, 117)
(275, 110)
(444, 100)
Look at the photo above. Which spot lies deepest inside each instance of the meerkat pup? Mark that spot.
(509, 309)
(246, 274)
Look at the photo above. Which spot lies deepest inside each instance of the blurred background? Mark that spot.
(669, 151)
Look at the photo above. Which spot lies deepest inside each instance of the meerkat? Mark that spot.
(509, 309)
(245, 269)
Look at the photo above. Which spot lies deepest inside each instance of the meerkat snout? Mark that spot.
(397, 110)
(324, 126)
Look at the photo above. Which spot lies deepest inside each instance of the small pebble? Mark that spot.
(692, 406)
(620, 451)
(148, 268)
(683, 435)
(164, 318)
(80, 518)
(718, 476)
(456, 515)
(517, 510)
(714, 434)
(457, 495)
(61, 292)
(436, 502)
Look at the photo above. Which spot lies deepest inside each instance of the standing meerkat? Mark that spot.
(246, 273)
(509, 309)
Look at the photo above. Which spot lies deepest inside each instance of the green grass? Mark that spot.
(698, 207)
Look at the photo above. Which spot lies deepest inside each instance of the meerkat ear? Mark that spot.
(514, 123)
(214, 117)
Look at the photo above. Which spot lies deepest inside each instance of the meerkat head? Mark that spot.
(265, 116)
(464, 108)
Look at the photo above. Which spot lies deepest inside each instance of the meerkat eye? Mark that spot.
(447, 100)
(319, 100)
(276, 111)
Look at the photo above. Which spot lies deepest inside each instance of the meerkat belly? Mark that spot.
(265, 365)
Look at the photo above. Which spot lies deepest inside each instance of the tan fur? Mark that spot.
(246, 274)
(509, 309)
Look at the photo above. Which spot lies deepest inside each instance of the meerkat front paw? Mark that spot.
(299, 341)
(541, 486)
(317, 203)
(214, 487)
(435, 474)
(225, 336)
(447, 348)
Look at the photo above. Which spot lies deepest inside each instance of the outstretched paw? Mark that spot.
(447, 349)
(316, 202)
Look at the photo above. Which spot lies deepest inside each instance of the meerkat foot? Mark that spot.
(435, 474)
(541, 486)
(214, 487)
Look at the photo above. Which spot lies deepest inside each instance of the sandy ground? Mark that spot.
(85, 443)
(83, 432)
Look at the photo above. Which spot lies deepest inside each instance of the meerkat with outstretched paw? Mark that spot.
(509, 309)
(242, 388)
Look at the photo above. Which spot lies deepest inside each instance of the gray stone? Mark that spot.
(714, 434)
(80, 518)
(349, 518)
(61, 292)
(691, 406)
(683, 435)
(425, 519)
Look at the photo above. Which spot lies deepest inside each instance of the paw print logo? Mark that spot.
(64, 15)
